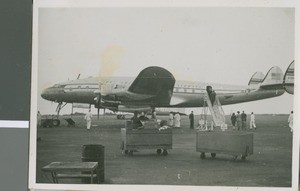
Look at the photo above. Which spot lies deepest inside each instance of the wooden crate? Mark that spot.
(235, 143)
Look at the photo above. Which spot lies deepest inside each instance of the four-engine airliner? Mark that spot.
(156, 87)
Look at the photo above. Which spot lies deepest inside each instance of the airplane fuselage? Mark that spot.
(185, 93)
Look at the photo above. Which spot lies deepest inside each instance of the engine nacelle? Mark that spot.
(125, 108)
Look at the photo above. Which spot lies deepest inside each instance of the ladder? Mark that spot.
(216, 111)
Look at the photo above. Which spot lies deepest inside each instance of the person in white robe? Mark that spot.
(291, 121)
(177, 120)
(252, 121)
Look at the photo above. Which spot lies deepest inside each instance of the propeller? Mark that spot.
(110, 62)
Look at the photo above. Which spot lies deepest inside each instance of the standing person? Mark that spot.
(233, 120)
(291, 121)
(153, 114)
(39, 119)
(136, 122)
(252, 121)
(213, 97)
(177, 120)
(191, 117)
(238, 120)
(244, 119)
(88, 118)
(171, 119)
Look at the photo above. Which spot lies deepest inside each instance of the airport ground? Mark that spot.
(269, 166)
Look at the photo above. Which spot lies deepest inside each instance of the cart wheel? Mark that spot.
(243, 157)
(213, 155)
(126, 152)
(165, 152)
(158, 151)
(131, 153)
(202, 155)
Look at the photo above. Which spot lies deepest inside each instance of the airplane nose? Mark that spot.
(45, 94)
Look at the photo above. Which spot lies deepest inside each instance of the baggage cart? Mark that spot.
(147, 138)
(235, 143)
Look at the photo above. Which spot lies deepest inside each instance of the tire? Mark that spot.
(213, 155)
(126, 152)
(165, 153)
(243, 157)
(202, 155)
(130, 153)
(55, 122)
(158, 151)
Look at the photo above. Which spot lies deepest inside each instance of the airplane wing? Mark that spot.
(155, 81)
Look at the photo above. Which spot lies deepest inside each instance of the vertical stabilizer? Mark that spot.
(288, 79)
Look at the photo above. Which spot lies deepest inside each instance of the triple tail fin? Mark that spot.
(256, 79)
(288, 79)
(273, 78)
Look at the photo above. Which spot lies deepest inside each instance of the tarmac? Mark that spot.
(269, 166)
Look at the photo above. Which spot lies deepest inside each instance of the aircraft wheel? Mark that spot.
(213, 155)
(55, 122)
(123, 116)
(243, 157)
(158, 151)
(235, 157)
(202, 155)
(126, 152)
(131, 153)
(165, 152)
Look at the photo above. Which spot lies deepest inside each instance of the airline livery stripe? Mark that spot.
(14, 124)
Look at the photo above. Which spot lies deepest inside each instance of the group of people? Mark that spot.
(239, 121)
(174, 120)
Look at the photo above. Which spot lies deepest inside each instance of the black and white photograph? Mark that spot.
(172, 96)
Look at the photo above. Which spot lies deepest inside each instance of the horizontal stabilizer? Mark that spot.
(256, 79)
(288, 79)
(274, 77)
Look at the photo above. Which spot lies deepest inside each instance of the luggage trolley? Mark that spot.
(235, 143)
(147, 138)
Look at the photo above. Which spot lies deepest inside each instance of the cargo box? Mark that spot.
(133, 140)
(235, 143)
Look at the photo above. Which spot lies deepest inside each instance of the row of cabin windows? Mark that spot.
(188, 90)
(188, 86)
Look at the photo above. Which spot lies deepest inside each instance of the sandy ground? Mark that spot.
(270, 165)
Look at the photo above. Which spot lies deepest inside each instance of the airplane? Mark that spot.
(156, 87)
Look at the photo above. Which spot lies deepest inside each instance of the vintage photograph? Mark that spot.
(190, 96)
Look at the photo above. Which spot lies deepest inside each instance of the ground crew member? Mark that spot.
(238, 120)
(136, 122)
(213, 97)
(191, 117)
(244, 119)
(171, 119)
(153, 114)
(291, 121)
(233, 120)
(252, 121)
(177, 120)
(88, 118)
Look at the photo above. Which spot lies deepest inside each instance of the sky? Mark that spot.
(206, 44)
